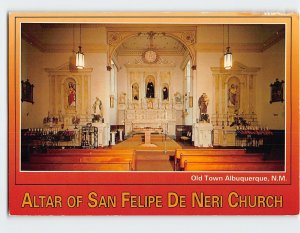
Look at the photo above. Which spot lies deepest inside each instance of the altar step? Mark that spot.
(154, 137)
(153, 155)
(153, 161)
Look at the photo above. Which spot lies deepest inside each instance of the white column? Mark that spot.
(113, 138)
(195, 95)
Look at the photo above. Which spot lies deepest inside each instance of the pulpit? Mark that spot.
(202, 134)
(103, 134)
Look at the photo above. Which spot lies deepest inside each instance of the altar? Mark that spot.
(103, 133)
(147, 131)
(151, 118)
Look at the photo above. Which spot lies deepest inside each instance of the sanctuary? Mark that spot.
(165, 97)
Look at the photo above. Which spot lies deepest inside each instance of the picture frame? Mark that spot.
(277, 91)
(191, 101)
(27, 91)
(178, 98)
(112, 100)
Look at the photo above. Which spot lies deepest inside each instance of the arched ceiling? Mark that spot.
(164, 44)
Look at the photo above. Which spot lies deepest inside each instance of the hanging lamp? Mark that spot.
(79, 54)
(228, 55)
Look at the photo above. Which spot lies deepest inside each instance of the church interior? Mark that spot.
(157, 97)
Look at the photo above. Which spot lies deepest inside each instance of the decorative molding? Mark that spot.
(143, 65)
(185, 60)
(66, 68)
(160, 61)
(189, 37)
(140, 52)
(236, 68)
(116, 38)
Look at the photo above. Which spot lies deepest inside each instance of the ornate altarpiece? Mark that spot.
(234, 94)
(69, 93)
(144, 111)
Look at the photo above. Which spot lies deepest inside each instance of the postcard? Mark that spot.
(153, 113)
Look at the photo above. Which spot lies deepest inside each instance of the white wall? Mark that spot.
(270, 61)
(272, 115)
(34, 63)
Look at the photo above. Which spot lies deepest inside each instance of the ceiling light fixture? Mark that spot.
(79, 54)
(228, 55)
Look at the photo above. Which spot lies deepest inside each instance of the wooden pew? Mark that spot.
(87, 151)
(80, 159)
(234, 166)
(206, 151)
(84, 160)
(109, 166)
(219, 158)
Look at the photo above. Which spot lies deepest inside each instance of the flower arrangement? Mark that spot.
(75, 121)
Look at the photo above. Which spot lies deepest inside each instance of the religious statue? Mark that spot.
(165, 93)
(233, 97)
(97, 110)
(203, 103)
(72, 94)
(135, 91)
(150, 90)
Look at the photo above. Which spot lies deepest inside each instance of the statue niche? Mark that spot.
(150, 87)
(165, 92)
(135, 91)
(233, 99)
(70, 94)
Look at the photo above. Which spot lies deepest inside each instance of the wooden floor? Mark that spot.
(153, 161)
(161, 142)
